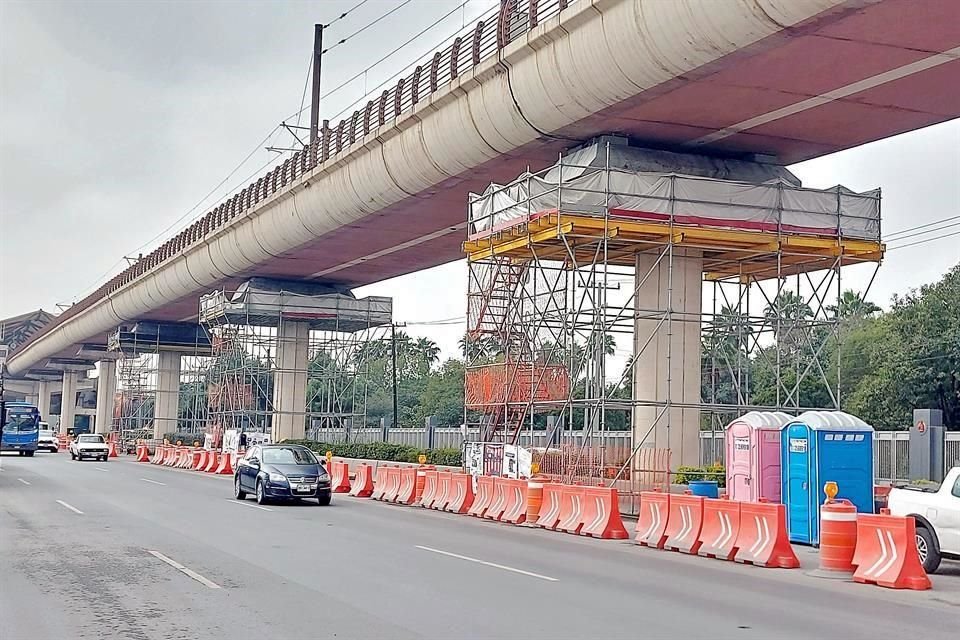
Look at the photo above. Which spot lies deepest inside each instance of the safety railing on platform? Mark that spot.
(492, 32)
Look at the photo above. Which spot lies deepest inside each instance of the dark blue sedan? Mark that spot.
(281, 472)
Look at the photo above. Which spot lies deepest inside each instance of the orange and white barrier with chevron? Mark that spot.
(442, 497)
(340, 477)
(571, 509)
(515, 501)
(763, 537)
(652, 522)
(380, 483)
(461, 487)
(213, 461)
(225, 467)
(143, 453)
(886, 553)
(393, 485)
(720, 530)
(550, 509)
(601, 514)
(498, 504)
(429, 489)
(406, 494)
(362, 486)
(201, 460)
(684, 524)
(483, 498)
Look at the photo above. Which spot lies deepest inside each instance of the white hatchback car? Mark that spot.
(47, 440)
(89, 445)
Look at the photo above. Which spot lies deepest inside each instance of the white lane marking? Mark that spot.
(23, 481)
(100, 469)
(163, 484)
(74, 509)
(184, 570)
(837, 94)
(488, 564)
(244, 503)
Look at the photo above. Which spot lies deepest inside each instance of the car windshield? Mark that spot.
(288, 455)
(46, 433)
(90, 438)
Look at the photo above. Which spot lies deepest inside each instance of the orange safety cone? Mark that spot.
(763, 537)
(684, 524)
(498, 504)
(886, 553)
(340, 478)
(462, 489)
(380, 484)
(430, 479)
(720, 530)
(112, 449)
(226, 465)
(481, 501)
(601, 514)
(550, 510)
(362, 486)
(838, 539)
(516, 510)
(571, 509)
(653, 518)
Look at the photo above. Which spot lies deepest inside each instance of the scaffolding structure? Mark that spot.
(255, 352)
(162, 367)
(584, 276)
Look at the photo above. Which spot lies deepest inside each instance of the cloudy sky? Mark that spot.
(118, 121)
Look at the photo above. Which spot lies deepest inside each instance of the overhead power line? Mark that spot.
(366, 26)
(890, 236)
(924, 241)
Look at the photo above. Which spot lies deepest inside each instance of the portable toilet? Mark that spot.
(753, 456)
(817, 447)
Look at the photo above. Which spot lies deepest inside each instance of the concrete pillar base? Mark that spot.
(68, 400)
(166, 405)
(106, 389)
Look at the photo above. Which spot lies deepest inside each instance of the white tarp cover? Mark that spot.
(709, 192)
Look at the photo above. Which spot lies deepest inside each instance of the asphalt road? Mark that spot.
(131, 551)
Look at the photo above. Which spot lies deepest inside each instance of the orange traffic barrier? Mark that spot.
(763, 536)
(213, 461)
(838, 537)
(601, 514)
(886, 553)
(158, 454)
(721, 527)
(462, 490)
(393, 484)
(534, 499)
(201, 460)
(550, 510)
(143, 453)
(418, 484)
(112, 449)
(444, 482)
(172, 454)
(181, 456)
(362, 486)
(430, 487)
(652, 521)
(684, 524)
(380, 484)
(225, 468)
(408, 486)
(481, 502)
(340, 478)
(516, 494)
(498, 502)
(571, 509)
(188, 456)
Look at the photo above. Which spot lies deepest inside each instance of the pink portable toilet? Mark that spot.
(753, 456)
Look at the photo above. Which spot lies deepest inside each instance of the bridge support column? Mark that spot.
(166, 405)
(68, 400)
(290, 381)
(106, 389)
(667, 370)
(44, 390)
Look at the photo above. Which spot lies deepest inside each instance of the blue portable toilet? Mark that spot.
(815, 448)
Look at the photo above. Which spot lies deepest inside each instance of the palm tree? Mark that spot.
(426, 350)
(852, 305)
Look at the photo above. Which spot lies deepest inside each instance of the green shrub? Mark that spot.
(187, 438)
(686, 475)
(384, 451)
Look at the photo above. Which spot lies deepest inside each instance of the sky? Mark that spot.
(122, 122)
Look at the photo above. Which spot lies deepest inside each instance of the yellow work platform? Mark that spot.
(575, 239)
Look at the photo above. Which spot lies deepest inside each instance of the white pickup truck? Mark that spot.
(937, 512)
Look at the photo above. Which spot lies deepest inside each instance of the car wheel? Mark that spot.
(238, 493)
(261, 497)
(324, 501)
(927, 550)
(72, 457)
(29, 454)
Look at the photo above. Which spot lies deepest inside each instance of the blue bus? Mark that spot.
(21, 428)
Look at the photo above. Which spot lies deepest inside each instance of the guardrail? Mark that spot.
(483, 40)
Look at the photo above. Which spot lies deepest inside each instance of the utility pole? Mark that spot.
(393, 356)
(315, 93)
